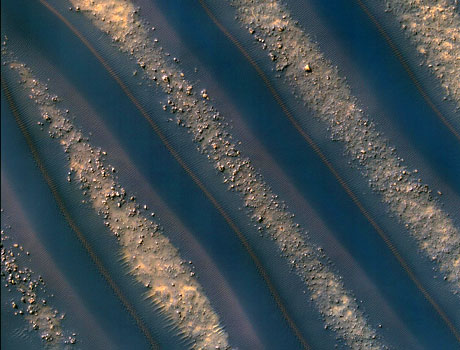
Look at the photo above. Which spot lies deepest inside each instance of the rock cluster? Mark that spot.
(120, 20)
(150, 256)
(328, 95)
(28, 295)
(433, 26)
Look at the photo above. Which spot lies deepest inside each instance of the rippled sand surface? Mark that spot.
(289, 275)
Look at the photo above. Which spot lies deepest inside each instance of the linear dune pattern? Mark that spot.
(152, 259)
(337, 306)
(318, 83)
(433, 26)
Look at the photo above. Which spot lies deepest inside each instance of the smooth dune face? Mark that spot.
(433, 27)
(152, 259)
(319, 84)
